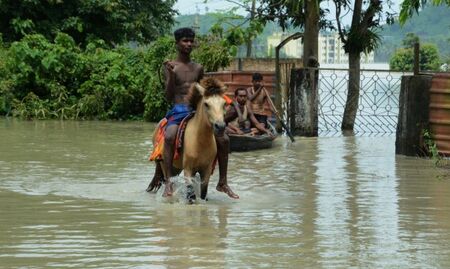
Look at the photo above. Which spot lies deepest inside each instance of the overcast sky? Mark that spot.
(194, 6)
(198, 6)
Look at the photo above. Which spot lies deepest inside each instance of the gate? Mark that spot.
(378, 104)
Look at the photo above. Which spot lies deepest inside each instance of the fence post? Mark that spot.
(413, 115)
(278, 75)
(304, 119)
(416, 58)
(239, 64)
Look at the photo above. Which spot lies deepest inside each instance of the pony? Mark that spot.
(199, 144)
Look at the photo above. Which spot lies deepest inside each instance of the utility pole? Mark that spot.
(196, 25)
(250, 41)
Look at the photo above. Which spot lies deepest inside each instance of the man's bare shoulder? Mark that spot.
(197, 66)
(248, 105)
(190, 65)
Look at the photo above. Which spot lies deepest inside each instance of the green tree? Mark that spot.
(429, 57)
(155, 99)
(431, 26)
(358, 37)
(44, 79)
(305, 14)
(214, 51)
(6, 95)
(409, 7)
(242, 29)
(403, 59)
(115, 21)
(409, 40)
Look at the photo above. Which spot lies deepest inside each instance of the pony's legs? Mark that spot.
(204, 175)
(190, 192)
(157, 179)
(169, 146)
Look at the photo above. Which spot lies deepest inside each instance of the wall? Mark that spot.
(259, 64)
(440, 112)
(413, 115)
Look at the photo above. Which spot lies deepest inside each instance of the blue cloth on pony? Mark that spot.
(177, 114)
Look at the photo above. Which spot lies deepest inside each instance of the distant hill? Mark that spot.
(432, 25)
(202, 22)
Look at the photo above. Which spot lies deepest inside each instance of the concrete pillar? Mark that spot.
(303, 96)
(413, 115)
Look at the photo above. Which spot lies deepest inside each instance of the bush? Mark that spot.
(155, 102)
(42, 79)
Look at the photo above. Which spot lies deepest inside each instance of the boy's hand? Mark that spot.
(170, 67)
(269, 133)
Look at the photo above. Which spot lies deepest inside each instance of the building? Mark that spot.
(293, 49)
(331, 50)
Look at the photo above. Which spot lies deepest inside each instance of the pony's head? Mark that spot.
(207, 97)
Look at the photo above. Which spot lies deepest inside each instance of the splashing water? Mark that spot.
(181, 187)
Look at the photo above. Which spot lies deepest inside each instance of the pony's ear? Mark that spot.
(200, 89)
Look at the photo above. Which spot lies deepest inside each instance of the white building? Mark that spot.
(331, 50)
(293, 49)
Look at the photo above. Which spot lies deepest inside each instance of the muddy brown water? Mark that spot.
(72, 195)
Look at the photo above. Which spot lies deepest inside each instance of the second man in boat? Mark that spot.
(241, 119)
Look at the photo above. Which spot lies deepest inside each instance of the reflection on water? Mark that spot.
(72, 195)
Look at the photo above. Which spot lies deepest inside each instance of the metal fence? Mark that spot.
(378, 101)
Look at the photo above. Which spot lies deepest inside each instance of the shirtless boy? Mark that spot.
(179, 75)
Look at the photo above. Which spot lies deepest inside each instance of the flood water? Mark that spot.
(72, 194)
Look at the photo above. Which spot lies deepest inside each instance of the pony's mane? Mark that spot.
(212, 86)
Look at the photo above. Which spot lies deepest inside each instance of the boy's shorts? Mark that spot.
(177, 114)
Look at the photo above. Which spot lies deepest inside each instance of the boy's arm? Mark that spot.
(169, 75)
(255, 122)
(269, 101)
(253, 96)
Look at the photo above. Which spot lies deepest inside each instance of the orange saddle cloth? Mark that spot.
(158, 147)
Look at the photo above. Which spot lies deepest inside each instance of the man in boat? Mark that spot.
(258, 97)
(240, 117)
(179, 75)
